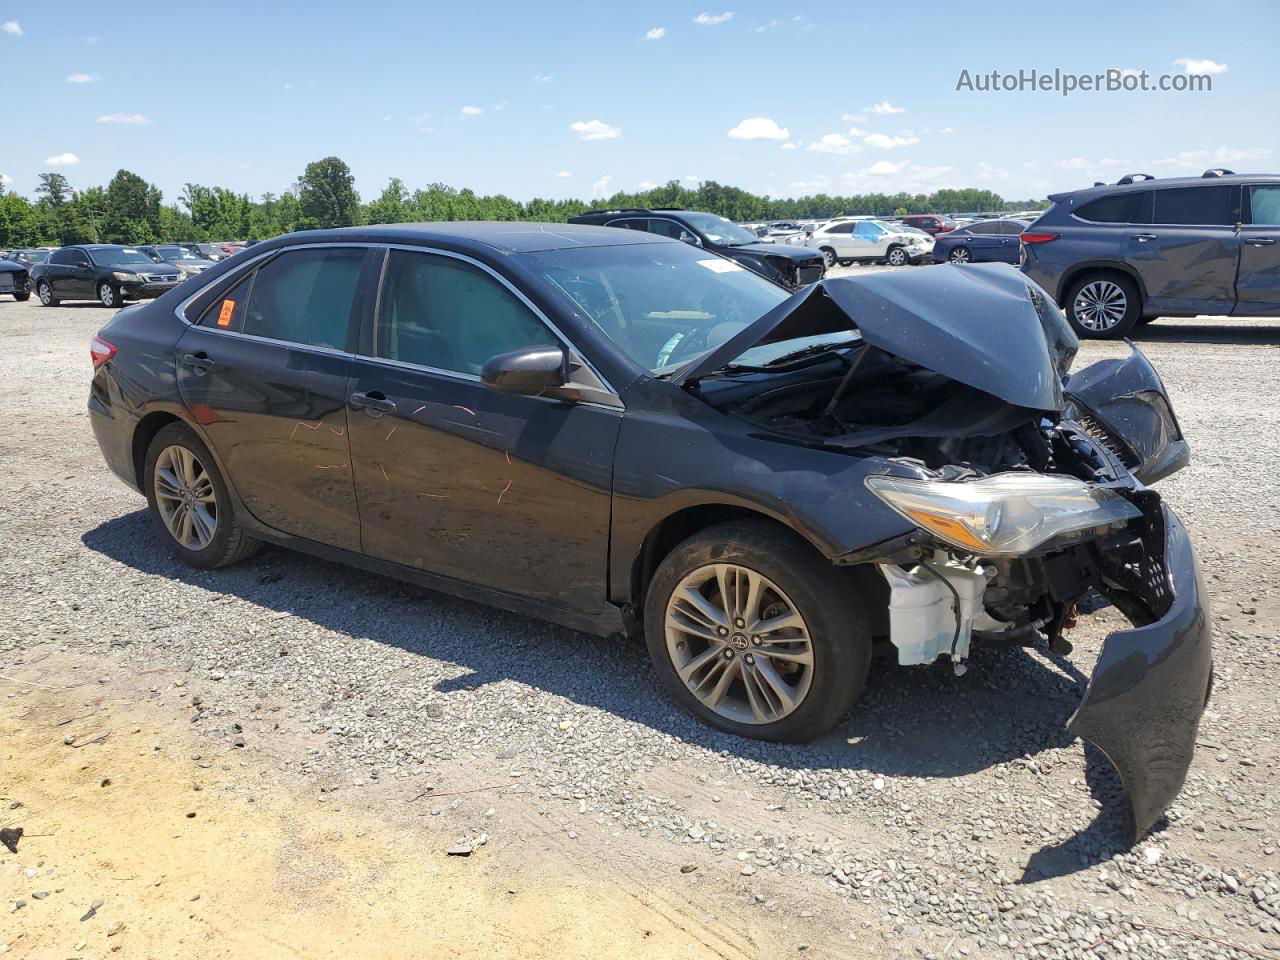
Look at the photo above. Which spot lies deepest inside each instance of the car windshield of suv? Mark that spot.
(35, 256)
(663, 304)
(176, 253)
(120, 256)
(721, 232)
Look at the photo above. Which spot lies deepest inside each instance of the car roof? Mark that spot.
(504, 236)
(1160, 183)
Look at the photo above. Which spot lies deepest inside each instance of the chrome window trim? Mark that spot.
(244, 268)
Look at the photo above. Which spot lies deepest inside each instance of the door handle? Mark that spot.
(373, 400)
(1144, 237)
(199, 362)
(1259, 241)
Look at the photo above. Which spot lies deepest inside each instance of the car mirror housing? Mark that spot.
(529, 371)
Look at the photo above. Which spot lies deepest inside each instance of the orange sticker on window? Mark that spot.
(224, 315)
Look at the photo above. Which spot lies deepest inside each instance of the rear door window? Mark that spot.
(227, 312)
(1265, 204)
(305, 297)
(839, 228)
(1131, 206)
(1197, 206)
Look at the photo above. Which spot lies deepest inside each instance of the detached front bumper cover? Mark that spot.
(1143, 704)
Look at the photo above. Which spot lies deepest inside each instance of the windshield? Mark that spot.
(119, 255)
(176, 253)
(663, 304)
(718, 230)
(35, 256)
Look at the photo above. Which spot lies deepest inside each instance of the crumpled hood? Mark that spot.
(983, 325)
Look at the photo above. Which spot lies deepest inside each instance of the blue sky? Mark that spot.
(581, 99)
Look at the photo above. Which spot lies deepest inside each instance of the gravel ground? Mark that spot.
(946, 817)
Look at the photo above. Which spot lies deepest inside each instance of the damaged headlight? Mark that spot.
(1008, 514)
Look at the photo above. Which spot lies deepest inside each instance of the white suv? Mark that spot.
(845, 241)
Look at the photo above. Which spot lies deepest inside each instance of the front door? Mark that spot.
(76, 277)
(264, 372)
(509, 492)
(1258, 283)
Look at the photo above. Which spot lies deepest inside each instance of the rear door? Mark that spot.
(264, 372)
(984, 240)
(1188, 255)
(508, 492)
(1258, 282)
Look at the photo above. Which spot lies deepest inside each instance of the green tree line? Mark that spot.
(131, 210)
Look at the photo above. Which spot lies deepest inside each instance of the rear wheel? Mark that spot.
(1103, 306)
(753, 632)
(22, 297)
(896, 257)
(45, 292)
(190, 502)
(828, 257)
(960, 255)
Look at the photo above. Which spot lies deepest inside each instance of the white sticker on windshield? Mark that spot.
(720, 266)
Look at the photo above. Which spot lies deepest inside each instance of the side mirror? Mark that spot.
(529, 371)
(690, 238)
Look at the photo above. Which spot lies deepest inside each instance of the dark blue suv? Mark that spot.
(1118, 255)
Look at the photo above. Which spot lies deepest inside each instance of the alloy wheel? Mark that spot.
(185, 497)
(1100, 305)
(959, 255)
(46, 294)
(829, 258)
(897, 257)
(739, 644)
(107, 294)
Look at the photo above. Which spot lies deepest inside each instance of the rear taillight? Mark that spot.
(100, 351)
(1029, 237)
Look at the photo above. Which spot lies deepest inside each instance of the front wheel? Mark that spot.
(896, 257)
(108, 295)
(960, 255)
(1103, 306)
(752, 631)
(190, 502)
(45, 292)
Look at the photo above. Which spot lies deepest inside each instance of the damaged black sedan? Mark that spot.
(625, 433)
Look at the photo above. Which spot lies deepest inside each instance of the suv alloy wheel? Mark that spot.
(1103, 306)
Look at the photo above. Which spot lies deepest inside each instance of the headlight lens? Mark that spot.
(1008, 514)
(124, 275)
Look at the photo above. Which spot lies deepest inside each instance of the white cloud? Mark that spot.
(595, 130)
(601, 187)
(789, 146)
(82, 78)
(880, 141)
(690, 178)
(855, 132)
(834, 143)
(947, 130)
(711, 19)
(498, 107)
(542, 78)
(134, 119)
(759, 128)
(12, 26)
(1220, 157)
(884, 168)
(767, 26)
(290, 85)
(472, 111)
(657, 33)
(1192, 65)
(646, 185)
(884, 108)
(564, 173)
(63, 160)
(990, 172)
(5, 179)
(853, 117)
(1072, 163)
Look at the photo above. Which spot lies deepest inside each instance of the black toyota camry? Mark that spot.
(629, 434)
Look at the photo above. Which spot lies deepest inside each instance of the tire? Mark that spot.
(828, 257)
(960, 254)
(896, 257)
(228, 543)
(109, 295)
(22, 297)
(1103, 306)
(45, 292)
(791, 577)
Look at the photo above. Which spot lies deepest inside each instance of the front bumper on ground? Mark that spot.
(1143, 703)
